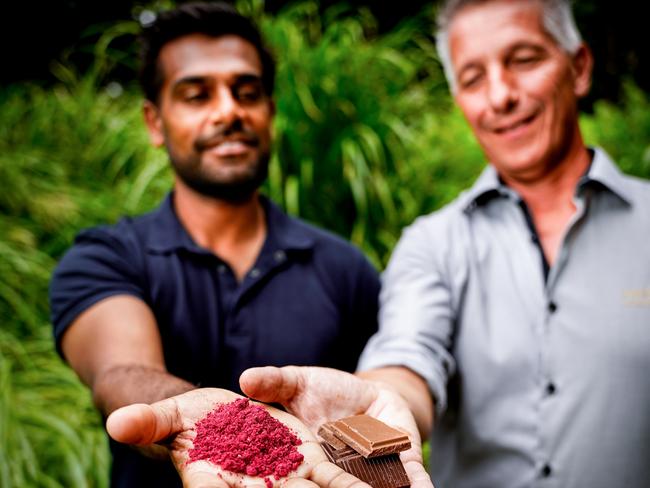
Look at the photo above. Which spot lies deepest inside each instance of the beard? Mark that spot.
(235, 190)
(233, 187)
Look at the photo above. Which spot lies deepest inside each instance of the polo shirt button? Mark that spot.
(279, 256)
(552, 307)
(221, 268)
(550, 389)
(546, 471)
(255, 273)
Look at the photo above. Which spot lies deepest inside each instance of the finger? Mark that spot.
(299, 483)
(270, 384)
(417, 475)
(142, 424)
(203, 479)
(328, 475)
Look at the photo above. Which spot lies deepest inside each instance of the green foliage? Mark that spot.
(349, 104)
(623, 131)
(50, 434)
(366, 140)
(70, 157)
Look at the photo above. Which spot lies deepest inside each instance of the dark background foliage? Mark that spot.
(34, 33)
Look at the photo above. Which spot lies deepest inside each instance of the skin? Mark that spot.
(317, 395)
(215, 123)
(171, 422)
(518, 91)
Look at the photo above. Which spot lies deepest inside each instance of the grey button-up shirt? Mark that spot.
(537, 383)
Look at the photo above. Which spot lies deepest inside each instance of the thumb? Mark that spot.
(270, 384)
(142, 424)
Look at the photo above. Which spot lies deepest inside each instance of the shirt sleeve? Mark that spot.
(364, 305)
(99, 265)
(416, 315)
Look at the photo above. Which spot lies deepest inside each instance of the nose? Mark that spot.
(502, 91)
(225, 108)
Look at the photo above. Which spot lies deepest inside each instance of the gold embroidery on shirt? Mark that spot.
(636, 297)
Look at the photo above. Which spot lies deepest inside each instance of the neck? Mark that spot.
(557, 184)
(233, 231)
(549, 197)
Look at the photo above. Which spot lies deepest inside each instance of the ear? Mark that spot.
(583, 63)
(154, 123)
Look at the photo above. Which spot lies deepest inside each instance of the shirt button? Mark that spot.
(550, 389)
(279, 256)
(255, 273)
(552, 307)
(546, 471)
(221, 269)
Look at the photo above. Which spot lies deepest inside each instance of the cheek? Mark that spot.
(472, 108)
(262, 125)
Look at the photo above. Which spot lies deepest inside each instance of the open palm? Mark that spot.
(171, 422)
(317, 395)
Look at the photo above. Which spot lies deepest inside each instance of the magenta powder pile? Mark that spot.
(243, 438)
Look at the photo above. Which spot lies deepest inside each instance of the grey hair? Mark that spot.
(557, 19)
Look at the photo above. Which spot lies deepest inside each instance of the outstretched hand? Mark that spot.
(317, 395)
(171, 422)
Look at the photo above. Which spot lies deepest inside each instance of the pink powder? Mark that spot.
(243, 438)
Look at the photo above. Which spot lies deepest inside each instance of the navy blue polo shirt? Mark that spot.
(309, 299)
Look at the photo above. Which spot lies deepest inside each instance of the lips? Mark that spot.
(502, 129)
(512, 127)
(228, 146)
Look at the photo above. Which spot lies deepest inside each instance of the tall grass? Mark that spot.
(366, 139)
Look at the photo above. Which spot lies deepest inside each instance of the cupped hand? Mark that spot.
(317, 395)
(171, 422)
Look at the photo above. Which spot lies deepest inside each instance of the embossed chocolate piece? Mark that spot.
(378, 472)
(370, 437)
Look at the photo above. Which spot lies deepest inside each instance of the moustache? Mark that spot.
(226, 134)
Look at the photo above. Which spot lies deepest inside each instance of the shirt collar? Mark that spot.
(606, 174)
(487, 186)
(167, 234)
(602, 171)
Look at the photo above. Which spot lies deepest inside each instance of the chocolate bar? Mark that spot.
(369, 437)
(378, 472)
(326, 433)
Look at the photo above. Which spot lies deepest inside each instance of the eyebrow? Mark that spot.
(526, 45)
(507, 52)
(189, 80)
(197, 79)
(247, 78)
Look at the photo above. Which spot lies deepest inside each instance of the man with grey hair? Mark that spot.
(515, 321)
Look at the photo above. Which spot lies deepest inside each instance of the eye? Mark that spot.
(470, 78)
(195, 96)
(525, 58)
(249, 92)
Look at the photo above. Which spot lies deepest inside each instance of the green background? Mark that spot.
(367, 138)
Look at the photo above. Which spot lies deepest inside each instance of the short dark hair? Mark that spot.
(214, 19)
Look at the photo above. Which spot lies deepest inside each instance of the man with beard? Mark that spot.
(217, 279)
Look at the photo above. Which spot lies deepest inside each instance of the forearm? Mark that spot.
(412, 388)
(127, 384)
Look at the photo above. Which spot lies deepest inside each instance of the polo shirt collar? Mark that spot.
(167, 234)
(287, 232)
(602, 171)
